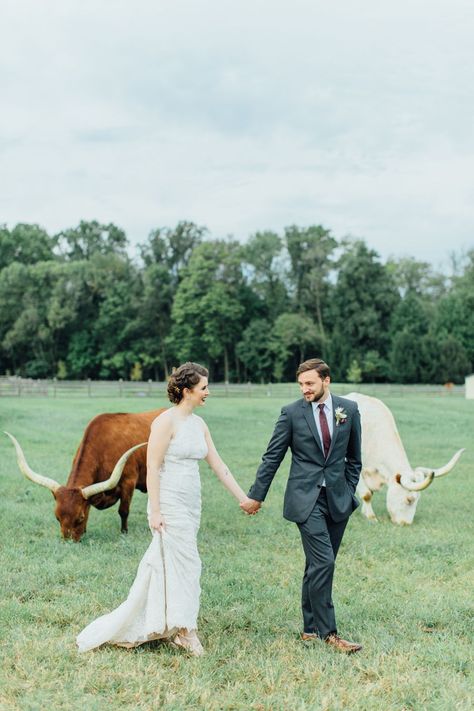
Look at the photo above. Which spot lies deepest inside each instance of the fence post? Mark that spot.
(19, 386)
(88, 387)
(149, 387)
(120, 386)
(54, 387)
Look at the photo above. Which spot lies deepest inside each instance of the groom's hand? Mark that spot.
(250, 506)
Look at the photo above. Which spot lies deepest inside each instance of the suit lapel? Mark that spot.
(335, 428)
(309, 416)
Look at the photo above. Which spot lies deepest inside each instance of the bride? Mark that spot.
(163, 602)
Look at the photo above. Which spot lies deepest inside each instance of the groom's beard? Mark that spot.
(314, 397)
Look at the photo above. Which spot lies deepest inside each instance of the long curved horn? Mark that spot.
(50, 484)
(114, 478)
(415, 485)
(447, 467)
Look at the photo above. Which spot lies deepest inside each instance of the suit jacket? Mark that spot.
(296, 428)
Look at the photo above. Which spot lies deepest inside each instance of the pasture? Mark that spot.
(405, 593)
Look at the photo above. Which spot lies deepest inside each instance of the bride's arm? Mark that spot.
(158, 442)
(221, 470)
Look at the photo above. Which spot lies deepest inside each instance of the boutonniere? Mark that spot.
(340, 415)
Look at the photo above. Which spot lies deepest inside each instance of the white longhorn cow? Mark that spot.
(384, 461)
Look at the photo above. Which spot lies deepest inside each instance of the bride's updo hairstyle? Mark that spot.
(186, 376)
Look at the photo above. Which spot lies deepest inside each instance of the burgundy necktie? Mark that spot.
(324, 430)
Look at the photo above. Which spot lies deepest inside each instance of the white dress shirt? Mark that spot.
(328, 411)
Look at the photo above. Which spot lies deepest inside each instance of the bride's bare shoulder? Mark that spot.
(164, 422)
(201, 422)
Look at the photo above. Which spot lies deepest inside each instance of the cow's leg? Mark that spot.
(366, 497)
(124, 508)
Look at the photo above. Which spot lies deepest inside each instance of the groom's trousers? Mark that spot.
(321, 538)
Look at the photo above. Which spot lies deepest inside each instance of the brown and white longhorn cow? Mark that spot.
(384, 461)
(110, 463)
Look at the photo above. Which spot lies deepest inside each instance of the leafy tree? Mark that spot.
(455, 311)
(361, 305)
(455, 317)
(294, 335)
(81, 313)
(61, 373)
(374, 368)
(415, 358)
(117, 327)
(413, 313)
(72, 310)
(172, 247)
(75, 305)
(255, 350)
(354, 373)
(262, 255)
(30, 342)
(83, 359)
(137, 372)
(416, 277)
(91, 238)
(13, 285)
(165, 256)
(26, 244)
(405, 358)
(207, 311)
(453, 361)
(412, 321)
(310, 250)
(157, 298)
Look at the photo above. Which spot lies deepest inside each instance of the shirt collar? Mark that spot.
(328, 408)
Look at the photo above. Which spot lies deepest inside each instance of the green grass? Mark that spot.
(405, 593)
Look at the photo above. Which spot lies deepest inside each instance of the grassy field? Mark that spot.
(405, 593)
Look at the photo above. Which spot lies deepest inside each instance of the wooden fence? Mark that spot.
(27, 387)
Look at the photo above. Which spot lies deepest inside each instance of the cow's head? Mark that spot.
(72, 503)
(404, 490)
(72, 512)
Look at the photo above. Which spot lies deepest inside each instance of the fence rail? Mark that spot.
(18, 387)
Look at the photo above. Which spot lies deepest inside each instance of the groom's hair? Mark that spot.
(316, 364)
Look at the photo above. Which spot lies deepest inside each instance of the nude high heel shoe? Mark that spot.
(189, 641)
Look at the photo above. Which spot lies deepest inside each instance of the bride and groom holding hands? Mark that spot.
(324, 434)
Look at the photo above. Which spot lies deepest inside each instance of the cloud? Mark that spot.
(353, 115)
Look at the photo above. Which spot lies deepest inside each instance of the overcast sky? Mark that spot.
(242, 116)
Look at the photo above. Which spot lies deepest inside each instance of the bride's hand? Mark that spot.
(157, 522)
(250, 506)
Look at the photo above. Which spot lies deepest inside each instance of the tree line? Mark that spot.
(78, 305)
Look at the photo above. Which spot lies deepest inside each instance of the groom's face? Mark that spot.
(313, 388)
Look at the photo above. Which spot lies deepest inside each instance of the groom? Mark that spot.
(323, 432)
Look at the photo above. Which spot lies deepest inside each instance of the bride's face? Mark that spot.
(197, 396)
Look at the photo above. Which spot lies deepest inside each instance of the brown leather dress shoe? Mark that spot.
(342, 644)
(308, 636)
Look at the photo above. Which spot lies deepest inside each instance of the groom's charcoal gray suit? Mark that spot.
(321, 512)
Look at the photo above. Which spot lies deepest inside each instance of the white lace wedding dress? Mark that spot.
(165, 594)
